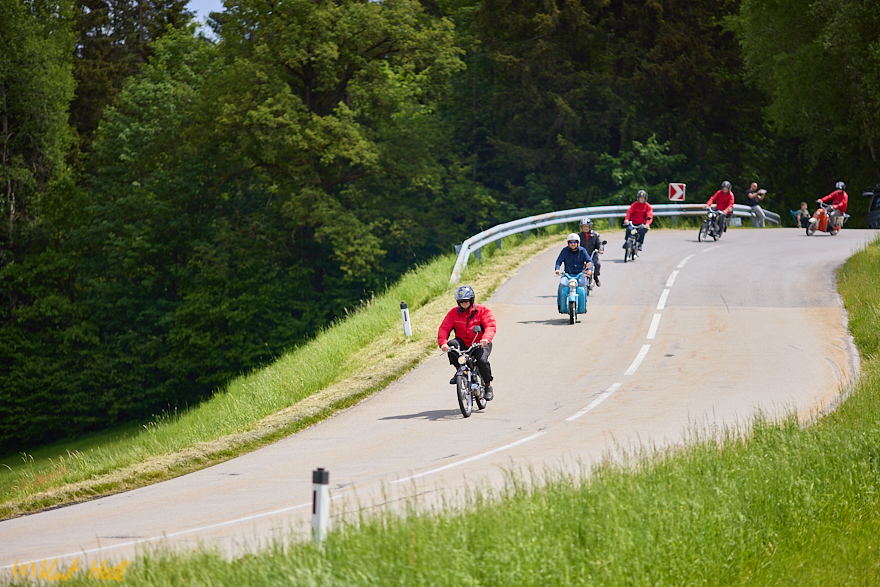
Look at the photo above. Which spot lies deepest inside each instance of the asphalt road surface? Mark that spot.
(690, 336)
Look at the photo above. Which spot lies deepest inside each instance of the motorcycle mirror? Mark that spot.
(477, 330)
(604, 242)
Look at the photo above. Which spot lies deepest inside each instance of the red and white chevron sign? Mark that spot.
(676, 192)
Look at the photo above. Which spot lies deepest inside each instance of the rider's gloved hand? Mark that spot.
(444, 348)
(558, 272)
(647, 228)
(484, 343)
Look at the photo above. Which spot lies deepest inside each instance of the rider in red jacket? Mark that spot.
(640, 213)
(723, 200)
(462, 320)
(838, 199)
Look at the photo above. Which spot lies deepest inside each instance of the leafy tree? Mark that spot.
(35, 88)
(114, 40)
(647, 166)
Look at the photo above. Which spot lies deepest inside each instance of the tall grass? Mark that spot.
(777, 503)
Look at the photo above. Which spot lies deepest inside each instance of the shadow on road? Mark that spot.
(553, 322)
(433, 415)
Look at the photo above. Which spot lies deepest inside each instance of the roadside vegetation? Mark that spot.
(347, 361)
(777, 503)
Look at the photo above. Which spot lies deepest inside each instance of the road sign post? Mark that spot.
(676, 192)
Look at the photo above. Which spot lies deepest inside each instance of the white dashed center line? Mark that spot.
(595, 402)
(652, 331)
(662, 303)
(638, 360)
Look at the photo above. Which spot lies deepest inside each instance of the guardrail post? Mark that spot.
(320, 504)
(404, 311)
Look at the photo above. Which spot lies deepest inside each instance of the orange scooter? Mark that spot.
(822, 222)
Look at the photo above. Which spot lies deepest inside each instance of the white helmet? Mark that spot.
(574, 237)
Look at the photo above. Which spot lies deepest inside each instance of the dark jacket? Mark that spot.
(591, 243)
(575, 262)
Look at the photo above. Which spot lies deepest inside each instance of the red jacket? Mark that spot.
(640, 214)
(837, 198)
(723, 201)
(463, 323)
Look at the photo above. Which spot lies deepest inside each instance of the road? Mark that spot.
(690, 336)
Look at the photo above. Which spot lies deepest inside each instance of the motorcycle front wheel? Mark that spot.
(704, 232)
(572, 312)
(811, 228)
(480, 402)
(464, 396)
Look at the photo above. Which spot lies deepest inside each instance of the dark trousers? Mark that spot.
(640, 237)
(481, 355)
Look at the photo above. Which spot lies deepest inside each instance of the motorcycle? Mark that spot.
(590, 278)
(631, 245)
(572, 298)
(711, 225)
(468, 383)
(822, 222)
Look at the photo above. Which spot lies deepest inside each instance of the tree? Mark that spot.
(35, 88)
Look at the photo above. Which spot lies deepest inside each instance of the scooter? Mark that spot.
(822, 222)
(572, 298)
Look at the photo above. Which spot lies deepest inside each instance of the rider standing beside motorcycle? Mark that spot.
(640, 212)
(591, 241)
(838, 199)
(723, 200)
(462, 320)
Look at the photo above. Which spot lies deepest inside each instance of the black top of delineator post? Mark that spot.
(403, 306)
(321, 477)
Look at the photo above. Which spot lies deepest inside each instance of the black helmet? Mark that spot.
(725, 184)
(840, 185)
(642, 194)
(465, 292)
(586, 221)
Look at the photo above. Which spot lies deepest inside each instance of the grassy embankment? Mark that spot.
(778, 503)
(340, 366)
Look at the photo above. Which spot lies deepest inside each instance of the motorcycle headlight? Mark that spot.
(572, 284)
(462, 360)
(634, 231)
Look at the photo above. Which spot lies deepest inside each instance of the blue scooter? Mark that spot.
(572, 296)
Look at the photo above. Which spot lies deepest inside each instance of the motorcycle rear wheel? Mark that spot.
(464, 395)
(572, 312)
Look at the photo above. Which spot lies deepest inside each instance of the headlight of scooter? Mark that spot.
(462, 360)
(572, 284)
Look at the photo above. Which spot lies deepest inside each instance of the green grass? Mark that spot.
(778, 503)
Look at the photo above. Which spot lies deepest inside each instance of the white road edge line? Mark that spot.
(671, 279)
(178, 533)
(605, 395)
(474, 458)
(652, 331)
(638, 360)
(662, 303)
(685, 260)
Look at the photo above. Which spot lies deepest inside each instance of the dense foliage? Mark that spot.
(230, 195)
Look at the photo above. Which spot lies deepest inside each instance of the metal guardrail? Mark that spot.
(478, 241)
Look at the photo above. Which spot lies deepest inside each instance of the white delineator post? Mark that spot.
(404, 311)
(320, 504)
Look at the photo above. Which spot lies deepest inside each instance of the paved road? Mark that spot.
(689, 336)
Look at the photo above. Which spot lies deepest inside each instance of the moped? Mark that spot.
(631, 245)
(822, 221)
(711, 225)
(469, 386)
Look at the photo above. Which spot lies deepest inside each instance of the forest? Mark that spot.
(182, 203)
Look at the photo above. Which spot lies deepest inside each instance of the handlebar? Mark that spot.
(458, 351)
